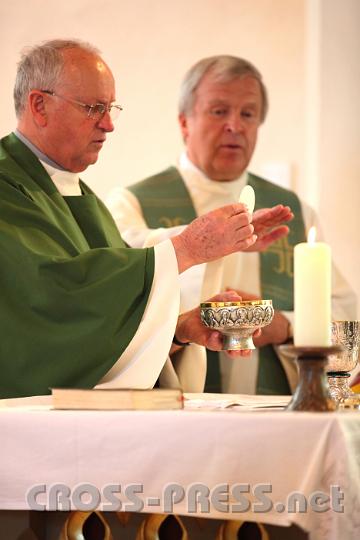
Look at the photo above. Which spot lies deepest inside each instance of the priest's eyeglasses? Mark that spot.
(95, 111)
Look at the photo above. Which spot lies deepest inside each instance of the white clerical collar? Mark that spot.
(66, 182)
(193, 175)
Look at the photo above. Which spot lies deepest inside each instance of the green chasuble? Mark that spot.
(72, 294)
(166, 202)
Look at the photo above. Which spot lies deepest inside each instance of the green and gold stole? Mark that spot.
(166, 202)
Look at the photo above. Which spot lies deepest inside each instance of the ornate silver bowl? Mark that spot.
(237, 321)
(347, 334)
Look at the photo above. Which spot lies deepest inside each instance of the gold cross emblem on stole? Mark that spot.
(285, 254)
(171, 222)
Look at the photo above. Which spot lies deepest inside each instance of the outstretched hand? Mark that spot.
(229, 229)
(268, 226)
(214, 235)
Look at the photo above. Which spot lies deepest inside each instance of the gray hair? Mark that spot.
(40, 67)
(223, 68)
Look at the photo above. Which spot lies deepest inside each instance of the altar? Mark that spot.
(269, 466)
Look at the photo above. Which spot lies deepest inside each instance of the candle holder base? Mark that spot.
(312, 392)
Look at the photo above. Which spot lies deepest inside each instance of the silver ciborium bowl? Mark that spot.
(347, 334)
(237, 321)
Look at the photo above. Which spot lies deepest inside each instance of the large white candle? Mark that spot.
(312, 293)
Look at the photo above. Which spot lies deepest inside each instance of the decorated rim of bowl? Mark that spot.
(242, 303)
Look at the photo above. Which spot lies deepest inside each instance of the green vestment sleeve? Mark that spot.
(72, 294)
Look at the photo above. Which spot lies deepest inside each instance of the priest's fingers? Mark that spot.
(244, 295)
(230, 295)
(270, 217)
(236, 354)
(264, 241)
(275, 212)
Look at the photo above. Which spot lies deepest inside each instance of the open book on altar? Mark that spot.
(117, 399)
(240, 402)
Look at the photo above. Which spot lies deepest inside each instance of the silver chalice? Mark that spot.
(347, 334)
(237, 321)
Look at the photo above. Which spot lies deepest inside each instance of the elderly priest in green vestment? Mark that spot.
(78, 307)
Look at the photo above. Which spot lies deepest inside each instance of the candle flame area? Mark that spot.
(311, 235)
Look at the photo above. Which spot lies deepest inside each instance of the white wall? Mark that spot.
(339, 134)
(149, 44)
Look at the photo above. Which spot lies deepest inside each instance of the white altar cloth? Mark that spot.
(302, 452)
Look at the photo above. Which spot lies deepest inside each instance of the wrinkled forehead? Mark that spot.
(213, 83)
(219, 85)
(216, 78)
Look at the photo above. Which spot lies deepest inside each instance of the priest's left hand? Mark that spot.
(190, 328)
(268, 226)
